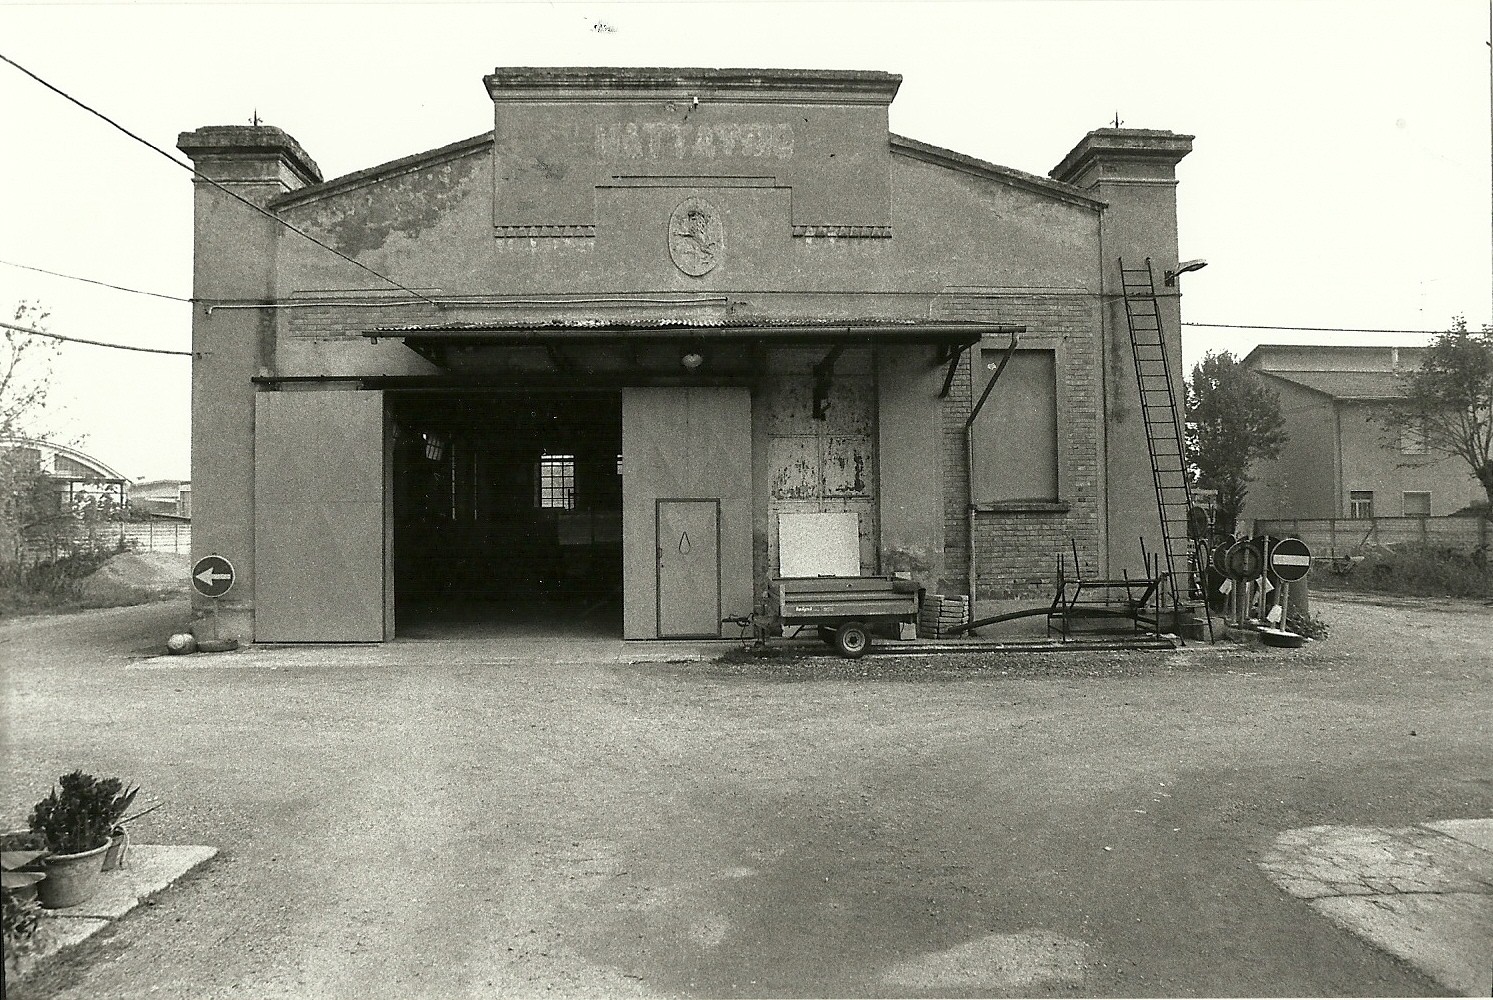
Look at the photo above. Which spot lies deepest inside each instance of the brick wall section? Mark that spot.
(1017, 552)
(341, 321)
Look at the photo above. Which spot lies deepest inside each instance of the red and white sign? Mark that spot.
(1290, 559)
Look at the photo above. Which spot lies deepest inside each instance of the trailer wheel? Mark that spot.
(826, 635)
(852, 640)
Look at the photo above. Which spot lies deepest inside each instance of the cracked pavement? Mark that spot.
(1423, 893)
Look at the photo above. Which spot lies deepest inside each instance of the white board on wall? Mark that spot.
(819, 544)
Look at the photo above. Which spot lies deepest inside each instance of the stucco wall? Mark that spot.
(1371, 460)
(1303, 481)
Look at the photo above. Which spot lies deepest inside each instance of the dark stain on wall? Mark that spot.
(363, 219)
(266, 334)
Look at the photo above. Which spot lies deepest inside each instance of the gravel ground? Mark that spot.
(1048, 825)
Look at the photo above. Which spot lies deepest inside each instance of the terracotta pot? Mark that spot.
(71, 878)
(119, 843)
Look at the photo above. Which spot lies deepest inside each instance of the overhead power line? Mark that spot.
(96, 343)
(197, 173)
(1307, 329)
(92, 281)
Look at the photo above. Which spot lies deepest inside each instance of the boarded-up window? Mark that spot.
(1016, 434)
(1417, 504)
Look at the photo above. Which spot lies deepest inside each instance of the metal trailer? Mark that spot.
(848, 610)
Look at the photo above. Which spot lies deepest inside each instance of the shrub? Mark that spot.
(60, 577)
(1423, 571)
(56, 584)
(22, 929)
(1312, 628)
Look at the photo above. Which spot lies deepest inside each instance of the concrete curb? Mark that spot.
(149, 869)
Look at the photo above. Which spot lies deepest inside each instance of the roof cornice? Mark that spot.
(251, 141)
(756, 86)
(1123, 145)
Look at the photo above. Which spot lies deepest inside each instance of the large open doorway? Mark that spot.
(507, 513)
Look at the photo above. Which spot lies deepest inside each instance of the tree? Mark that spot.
(1449, 399)
(25, 372)
(1233, 420)
(30, 509)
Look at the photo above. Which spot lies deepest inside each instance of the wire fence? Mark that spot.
(138, 536)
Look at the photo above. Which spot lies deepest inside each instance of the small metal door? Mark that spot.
(689, 569)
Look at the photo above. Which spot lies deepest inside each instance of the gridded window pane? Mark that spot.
(556, 482)
(1417, 505)
(1360, 503)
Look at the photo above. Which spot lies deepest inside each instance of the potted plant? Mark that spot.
(76, 819)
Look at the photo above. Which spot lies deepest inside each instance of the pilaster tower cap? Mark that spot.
(242, 142)
(1145, 147)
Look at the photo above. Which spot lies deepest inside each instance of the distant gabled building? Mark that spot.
(162, 497)
(1340, 460)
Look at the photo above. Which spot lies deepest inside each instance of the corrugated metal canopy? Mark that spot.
(627, 349)
(541, 333)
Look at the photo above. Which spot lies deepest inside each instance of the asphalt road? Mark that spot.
(445, 827)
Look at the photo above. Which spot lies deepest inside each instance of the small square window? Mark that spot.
(1417, 505)
(555, 484)
(1413, 438)
(1360, 503)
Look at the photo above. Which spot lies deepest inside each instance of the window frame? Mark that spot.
(989, 352)
(554, 481)
(1405, 496)
(1413, 438)
(1356, 497)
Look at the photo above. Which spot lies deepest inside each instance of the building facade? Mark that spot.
(1340, 459)
(658, 338)
(162, 497)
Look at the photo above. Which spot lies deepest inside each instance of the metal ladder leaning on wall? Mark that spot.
(1163, 422)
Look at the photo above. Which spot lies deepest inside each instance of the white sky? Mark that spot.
(1340, 175)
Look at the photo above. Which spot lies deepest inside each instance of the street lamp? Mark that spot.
(1170, 277)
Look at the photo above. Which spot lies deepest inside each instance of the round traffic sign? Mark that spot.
(1220, 554)
(1244, 559)
(212, 576)
(1290, 559)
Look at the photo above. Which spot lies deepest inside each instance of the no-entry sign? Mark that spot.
(1290, 559)
(212, 576)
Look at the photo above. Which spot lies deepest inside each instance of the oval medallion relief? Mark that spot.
(697, 238)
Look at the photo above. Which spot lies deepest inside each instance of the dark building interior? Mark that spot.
(507, 508)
